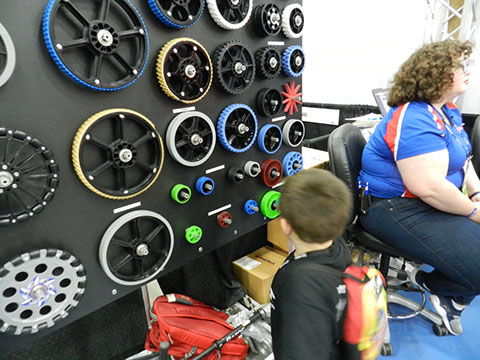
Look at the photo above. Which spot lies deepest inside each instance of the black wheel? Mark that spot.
(234, 67)
(440, 330)
(269, 102)
(110, 48)
(386, 349)
(28, 176)
(269, 62)
(267, 19)
(177, 13)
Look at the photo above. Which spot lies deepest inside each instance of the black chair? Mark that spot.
(345, 147)
(475, 140)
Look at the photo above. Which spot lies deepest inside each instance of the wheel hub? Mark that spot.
(142, 250)
(242, 129)
(234, 3)
(298, 20)
(196, 139)
(239, 68)
(275, 19)
(6, 179)
(38, 291)
(298, 61)
(273, 62)
(124, 155)
(180, 2)
(190, 71)
(103, 38)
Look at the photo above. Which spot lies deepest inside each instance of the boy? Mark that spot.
(308, 305)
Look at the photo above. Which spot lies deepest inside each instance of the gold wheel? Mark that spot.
(111, 162)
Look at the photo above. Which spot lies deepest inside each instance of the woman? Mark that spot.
(425, 194)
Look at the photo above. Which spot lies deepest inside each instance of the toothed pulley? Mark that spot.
(293, 61)
(117, 153)
(38, 289)
(7, 56)
(191, 138)
(269, 62)
(184, 70)
(102, 45)
(267, 19)
(136, 247)
(270, 138)
(234, 67)
(293, 21)
(292, 163)
(269, 102)
(28, 176)
(177, 13)
(293, 132)
(237, 128)
(230, 14)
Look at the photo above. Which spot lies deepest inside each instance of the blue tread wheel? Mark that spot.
(237, 128)
(292, 163)
(181, 15)
(100, 37)
(251, 207)
(270, 138)
(293, 61)
(205, 185)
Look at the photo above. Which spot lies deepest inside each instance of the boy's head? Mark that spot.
(316, 205)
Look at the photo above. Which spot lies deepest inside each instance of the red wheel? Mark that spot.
(224, 219)
(271, 172)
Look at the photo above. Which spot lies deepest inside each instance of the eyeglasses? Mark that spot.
(467, 65)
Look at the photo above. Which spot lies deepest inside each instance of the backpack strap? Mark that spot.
(342, 274)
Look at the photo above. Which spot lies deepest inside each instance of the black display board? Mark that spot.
(41, 101)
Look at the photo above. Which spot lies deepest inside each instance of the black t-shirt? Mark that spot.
(307, 308)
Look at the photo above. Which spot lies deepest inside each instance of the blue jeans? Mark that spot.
(449, 243)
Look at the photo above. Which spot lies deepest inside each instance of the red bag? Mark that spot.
(186, 323)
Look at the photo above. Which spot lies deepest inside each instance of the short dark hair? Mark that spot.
(317, 205)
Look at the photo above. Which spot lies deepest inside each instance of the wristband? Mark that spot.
(473, 213)
(474, 194)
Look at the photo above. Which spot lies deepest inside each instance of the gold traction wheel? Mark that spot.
(117, 153)
(184, 70)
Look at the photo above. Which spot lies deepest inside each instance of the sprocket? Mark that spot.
(269, 62)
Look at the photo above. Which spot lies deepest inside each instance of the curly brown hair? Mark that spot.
(428, 72)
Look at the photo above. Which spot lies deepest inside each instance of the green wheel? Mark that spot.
(269, 204)
(193, 234)
(181, 193)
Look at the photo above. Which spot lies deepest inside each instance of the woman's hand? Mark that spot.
(476, 198)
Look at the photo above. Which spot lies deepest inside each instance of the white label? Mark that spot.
(320, 116)
(179, 110)
(279, 118)
(127, 207)
(209, 171)
(278, 43)
(247, 263)
(219, 209)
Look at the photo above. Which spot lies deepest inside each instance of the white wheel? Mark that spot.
(293, 132)
(293, 21)
(231, 14)
(192, 143)
(8, 64)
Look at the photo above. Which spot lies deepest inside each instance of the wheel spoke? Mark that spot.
(154, 233)
(36, 176)
(17, 154)
(100, 143)
(7, 200)
(14, 194)
(122, 243)
(23, 162)
(100, 168)
(189, 155)
(28, 193)
(96, 66)
(195, 123)
(144, 166)
(104, 10)
(238, 14)
(119, 128)
(35, 167)
(74, 43)
(142, 140)
(181, 143)
(128, 33)
(136, 228)
(139, 266)
(122, 262)
(121, 178)
(205, 132)
(122, 62)
(231, 139)
(74, 11)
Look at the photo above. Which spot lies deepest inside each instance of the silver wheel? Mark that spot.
(39, 288)
(293, 132)
(7, 56)
(136, 247)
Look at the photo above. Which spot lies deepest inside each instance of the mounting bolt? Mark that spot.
(114, 292)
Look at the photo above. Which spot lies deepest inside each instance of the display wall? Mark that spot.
(135, 137)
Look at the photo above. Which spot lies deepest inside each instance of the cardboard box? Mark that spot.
(276, 236)
(256, 271)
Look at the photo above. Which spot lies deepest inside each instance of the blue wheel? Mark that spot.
(293, 61)
(270, 138)
(292, 163)
(205, 185)
(251, 207)
(83, 59)
(177, 14)
(237, 128)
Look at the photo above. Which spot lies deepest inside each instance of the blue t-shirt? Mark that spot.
(412, 129)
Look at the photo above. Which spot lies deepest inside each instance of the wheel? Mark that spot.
(269, 102)
(269, 204)
(270, 138)
(7, 56)
(117, 154)
(136, 247)
(28, 176)
(234, 67)
(191, 138)
(293, 61)
(237, 128)
(271, 172)
(193, 234)
(292, 163)
(112, 50)
(230, 14)
(293, 97)
(440, 330)
(267, 19)
(386, 349)
(268, 62)
(293, 132)
(177, 14)
(38, 289)
(184, 70)
(293, 21)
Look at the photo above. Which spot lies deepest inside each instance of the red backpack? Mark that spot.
(190, 327)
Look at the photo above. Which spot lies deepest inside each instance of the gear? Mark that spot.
(94, 60)
(230, 14)
(234, 67)
(28, 176)
(7, 56)
(293, 61)
(184, 70)
(191, 138)
(292, 98)
(269, 62)
(267, 19)
(117, 154)
(38, 289)
(270, 138)
(177, 13)
(237, 128)
(293, 21)
(136, 247)
(269, 102)
(293, 132)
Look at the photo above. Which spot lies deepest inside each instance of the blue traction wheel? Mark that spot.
(178, 19)
(251, 207)
(293, 61)
(270, 138)
(205, 185)
(292, 163)
(237, 128)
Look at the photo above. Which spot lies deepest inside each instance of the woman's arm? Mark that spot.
(472, 182)
(425, 176)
